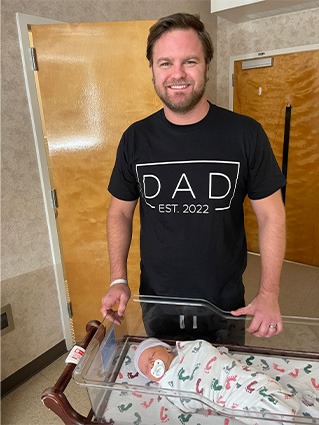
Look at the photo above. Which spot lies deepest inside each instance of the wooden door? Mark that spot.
(93, 81)
(264, 94)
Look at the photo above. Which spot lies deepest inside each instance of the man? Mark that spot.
(191, 164)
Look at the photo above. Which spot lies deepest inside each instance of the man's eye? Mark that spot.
(165, 64)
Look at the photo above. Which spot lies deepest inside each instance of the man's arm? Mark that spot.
(270, 213)
(119, 235)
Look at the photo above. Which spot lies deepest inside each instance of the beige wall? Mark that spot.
(28, 281)
(276, 32)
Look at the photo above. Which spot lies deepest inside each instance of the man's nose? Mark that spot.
(178, 71)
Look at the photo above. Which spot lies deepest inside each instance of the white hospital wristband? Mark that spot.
(114, 282)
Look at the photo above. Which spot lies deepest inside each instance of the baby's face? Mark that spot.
(148, 357)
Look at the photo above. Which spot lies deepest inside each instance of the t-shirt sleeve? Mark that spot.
(123, 183)
(265, 176)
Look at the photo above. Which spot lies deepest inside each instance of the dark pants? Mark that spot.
(185, 323)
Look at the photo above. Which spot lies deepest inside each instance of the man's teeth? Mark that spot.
(181, 86)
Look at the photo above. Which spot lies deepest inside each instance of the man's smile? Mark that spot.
(179, 86)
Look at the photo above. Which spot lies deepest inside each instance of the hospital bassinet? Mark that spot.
(119, 396)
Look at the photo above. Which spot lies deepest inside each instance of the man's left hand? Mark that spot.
(266, 314)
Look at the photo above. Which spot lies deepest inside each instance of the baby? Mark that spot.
(200, 368)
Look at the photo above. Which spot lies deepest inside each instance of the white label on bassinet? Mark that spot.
(75, 355)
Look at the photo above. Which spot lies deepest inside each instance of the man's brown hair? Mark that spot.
(178, 21)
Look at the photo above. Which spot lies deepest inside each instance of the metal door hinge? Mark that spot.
(34, 59)
(69, 307)
(232, 80)
(54, 199)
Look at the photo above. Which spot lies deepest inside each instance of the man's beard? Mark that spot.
(186, 105)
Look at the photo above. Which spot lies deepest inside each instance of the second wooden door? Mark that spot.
(264, 94)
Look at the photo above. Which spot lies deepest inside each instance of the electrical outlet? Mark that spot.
(7, 324)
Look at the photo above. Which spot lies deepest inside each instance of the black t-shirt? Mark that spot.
(192, 181)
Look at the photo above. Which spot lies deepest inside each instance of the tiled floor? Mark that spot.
(299, 296)
(23, 406)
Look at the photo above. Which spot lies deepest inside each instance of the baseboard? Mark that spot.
(32, 368)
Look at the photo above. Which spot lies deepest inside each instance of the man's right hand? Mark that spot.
(119, 293)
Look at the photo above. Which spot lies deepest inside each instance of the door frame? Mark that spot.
(258, 55)
(23, 21)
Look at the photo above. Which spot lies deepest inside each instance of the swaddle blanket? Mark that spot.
(145, 408)
(200, 368)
